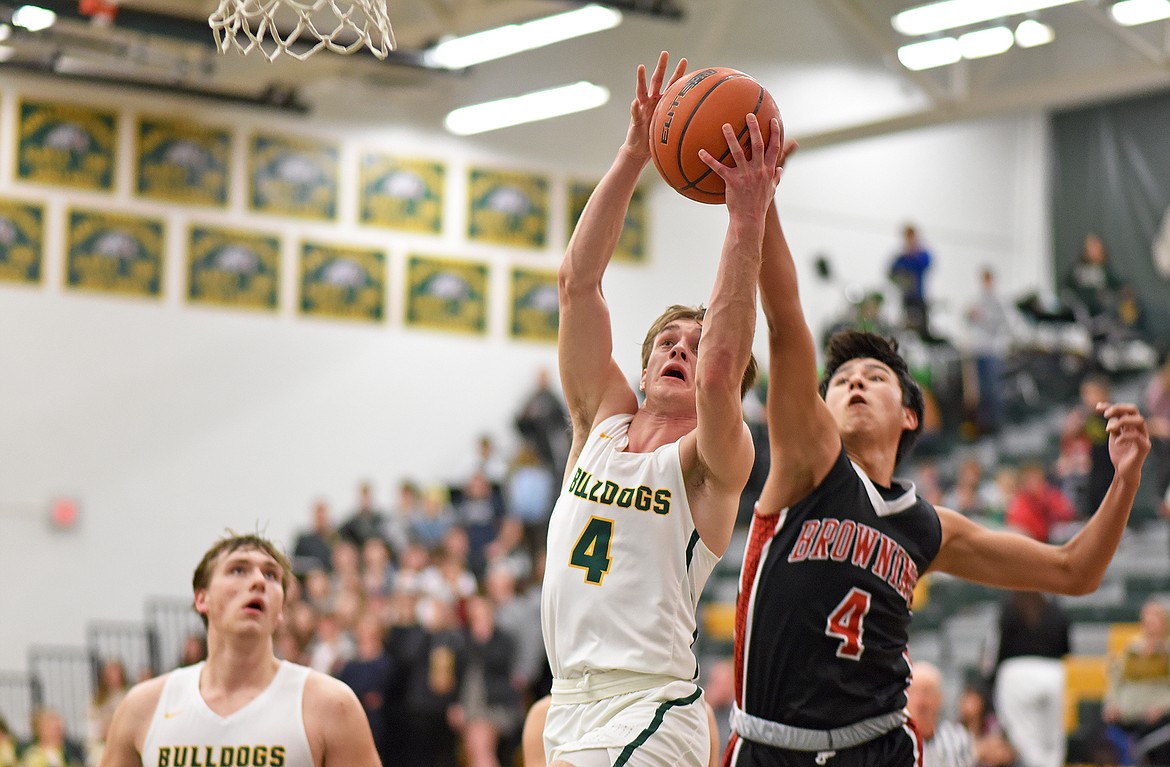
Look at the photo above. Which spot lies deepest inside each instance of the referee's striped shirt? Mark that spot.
(951, 746)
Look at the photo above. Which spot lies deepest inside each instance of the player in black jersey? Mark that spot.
(837, 545)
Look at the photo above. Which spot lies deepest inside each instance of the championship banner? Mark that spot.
(114, 253)
(231, 267)
(507, 208)
(293, 177)
(341, 282)
(534, 308)
(631, 246)
(66, 145)
(446, 294)
(22, 241)
(402, 194)
(181, 161)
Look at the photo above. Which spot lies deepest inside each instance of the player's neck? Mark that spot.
(876, 461)
(652, 428)
(237, 663)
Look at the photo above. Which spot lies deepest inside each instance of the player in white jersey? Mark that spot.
(242, 707)
(651, 492)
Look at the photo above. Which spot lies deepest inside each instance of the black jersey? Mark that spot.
(824, 602)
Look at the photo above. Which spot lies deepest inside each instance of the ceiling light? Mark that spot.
(530, 107)
(930, 54)
(1031, 33)
(986, 42)
(504, 41)
(949, 14)
(1130, 13)
(33, 18)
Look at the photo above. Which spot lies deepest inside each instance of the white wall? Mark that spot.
(171, 423)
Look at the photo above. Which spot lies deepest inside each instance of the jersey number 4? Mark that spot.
(591, 551)
(847, 623)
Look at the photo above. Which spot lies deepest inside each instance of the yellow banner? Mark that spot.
(342, 282)
(400, 193)
(22, 241)
(534, 307)
(67, 145)
(232, 267)
(293, 177)
(507, 208)
(181, 161)
(447, 294)
(115, 253)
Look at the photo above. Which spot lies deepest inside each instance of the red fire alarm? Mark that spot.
(63, 513)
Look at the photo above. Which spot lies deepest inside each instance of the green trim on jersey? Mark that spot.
(655, 723)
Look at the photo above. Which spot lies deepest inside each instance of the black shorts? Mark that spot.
(899, 747)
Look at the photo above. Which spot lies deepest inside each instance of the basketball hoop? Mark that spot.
(342, 26)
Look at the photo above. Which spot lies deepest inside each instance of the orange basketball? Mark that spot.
(690, 117)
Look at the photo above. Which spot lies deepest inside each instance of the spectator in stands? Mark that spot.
(112, 686)
(944, 743)
(544, 426)
(479, 512)
(429, 528)
(988, 340)
(1033, 639)
(331, 646)
(1040, 509)
(991, 747)
(347, 569)
(971, 495)
(367, 519)
(50, 747)
(519, 616)
(449, 578)
(488, 461)
(490, 710)
(1084, 463)
(1091, 288)
(370, 674)
(7, 744)
(433, 659)
(529, 493)
(1137, 698)
(409, 507)
(194, 649)
(908, 272)
(1157, 403)
(315, 545)
(377, 569)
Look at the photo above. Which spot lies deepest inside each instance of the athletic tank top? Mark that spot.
(625, 566)
(267, 732)
(824, 601)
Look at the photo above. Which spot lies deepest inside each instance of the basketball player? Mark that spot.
(836, 546)
(650, 492)
(242, 706)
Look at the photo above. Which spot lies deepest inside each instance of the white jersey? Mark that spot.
(267, 732)
(625, 566)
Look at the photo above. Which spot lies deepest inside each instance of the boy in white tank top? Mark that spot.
(242, 707)
(651, 492)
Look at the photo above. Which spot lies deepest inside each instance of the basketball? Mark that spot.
(690, 116)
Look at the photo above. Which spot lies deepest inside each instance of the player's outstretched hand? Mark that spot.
(751, 184)
(1129, 440)
(646, 98)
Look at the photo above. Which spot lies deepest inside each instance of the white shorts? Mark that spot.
(664, 727)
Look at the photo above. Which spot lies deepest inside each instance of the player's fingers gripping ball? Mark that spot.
(690, 116)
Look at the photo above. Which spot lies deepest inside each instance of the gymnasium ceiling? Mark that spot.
(831, 64)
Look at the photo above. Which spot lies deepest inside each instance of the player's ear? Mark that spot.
(201, 601)
(642, 382)
(909, 418)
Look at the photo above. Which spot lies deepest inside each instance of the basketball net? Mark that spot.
(276, 26)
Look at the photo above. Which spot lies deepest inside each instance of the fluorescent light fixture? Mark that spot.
(930, 54)
(1129, 13)
(33, 18)
(986, 42)
(1031, 33)
(949, 14)
(530, 107)
(504, 41)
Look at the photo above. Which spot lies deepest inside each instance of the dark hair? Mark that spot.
(697, 313)
(857, 344)
(234, 542)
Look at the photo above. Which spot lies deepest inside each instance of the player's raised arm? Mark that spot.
(802, 434)
(1011, 560)
(592, 382)
(723, 442)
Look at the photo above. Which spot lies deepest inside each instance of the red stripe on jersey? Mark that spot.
(760, 534)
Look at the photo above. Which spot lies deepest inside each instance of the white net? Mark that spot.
(300, 28)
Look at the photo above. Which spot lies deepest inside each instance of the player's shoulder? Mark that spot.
(322, 690)
(143, 698)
